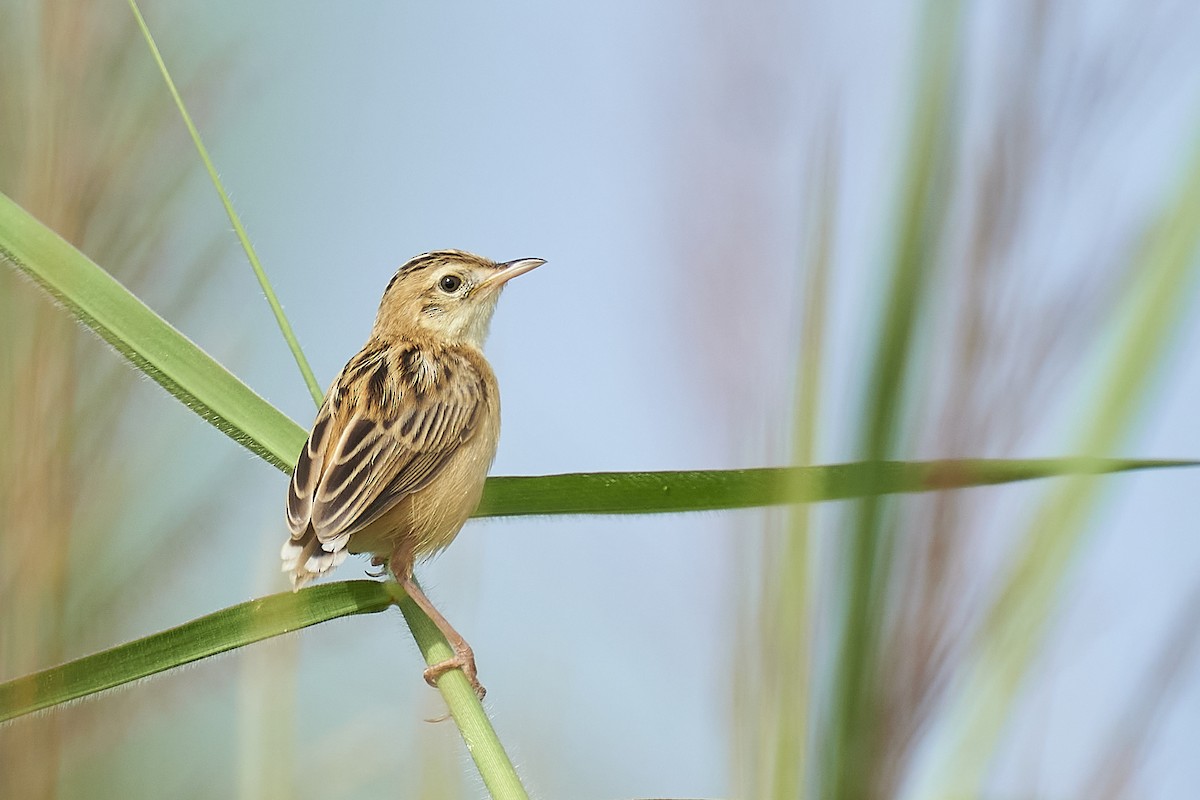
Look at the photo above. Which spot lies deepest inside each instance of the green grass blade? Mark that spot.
(191, 375)
(787, 592)
(557, 494)
(207, 636)
(674, 492)
(281, 319)
(97, 300)
(854, 736)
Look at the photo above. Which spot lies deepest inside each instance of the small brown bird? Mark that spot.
(400, 449)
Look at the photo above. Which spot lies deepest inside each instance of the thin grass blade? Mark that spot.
(281, 319)
(600, 493)
(675, 492)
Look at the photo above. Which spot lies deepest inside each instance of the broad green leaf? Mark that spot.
(97, 300)
(600, 493)
(207, 636)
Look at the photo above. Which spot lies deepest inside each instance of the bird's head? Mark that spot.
(446, 294)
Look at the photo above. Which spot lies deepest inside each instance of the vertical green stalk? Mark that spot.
(853, 741)
(790, 775)
(783, 710)
(497, 770)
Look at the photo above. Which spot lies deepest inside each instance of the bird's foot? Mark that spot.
(463, 659)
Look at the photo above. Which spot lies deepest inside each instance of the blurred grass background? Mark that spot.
(83, 147)
(794, 233)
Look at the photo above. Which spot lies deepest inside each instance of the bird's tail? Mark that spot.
(305, 559)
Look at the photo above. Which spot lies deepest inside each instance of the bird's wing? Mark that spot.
(309, 468)
(342, 486)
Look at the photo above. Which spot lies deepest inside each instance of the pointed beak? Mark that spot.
(507, 271)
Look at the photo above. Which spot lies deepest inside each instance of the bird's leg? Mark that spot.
(377, 561)
(464, 656)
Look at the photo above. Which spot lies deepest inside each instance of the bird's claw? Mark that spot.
(465, 662)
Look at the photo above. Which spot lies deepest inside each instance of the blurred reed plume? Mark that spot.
(82, 117)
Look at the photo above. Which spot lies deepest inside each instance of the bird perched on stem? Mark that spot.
(400, 449)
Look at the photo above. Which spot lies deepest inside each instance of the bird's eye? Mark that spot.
(450, 283)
